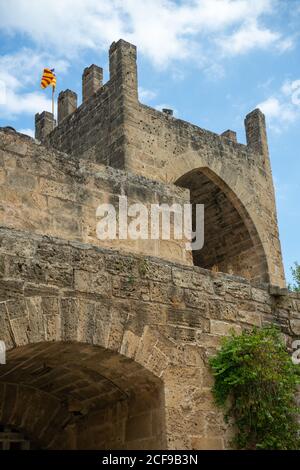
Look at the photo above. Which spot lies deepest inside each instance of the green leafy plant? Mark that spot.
(256, 383)
(296, 276)
(143, 267)
(130, 280)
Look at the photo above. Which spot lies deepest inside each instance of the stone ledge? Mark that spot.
(218, 277)
(278, 291)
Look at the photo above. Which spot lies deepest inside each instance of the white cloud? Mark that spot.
(273, 108)
(18, 72)
(16, 102)
(285, 44)
(66, 25)
(163, 30)
(25, 66)
(250, 36)
(214, 72)
(292, 89)
(283, 107)
(24, 103)
(146, 95)
(2, 92)
(29, 132)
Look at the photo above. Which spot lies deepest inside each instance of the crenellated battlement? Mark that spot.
(108, 101)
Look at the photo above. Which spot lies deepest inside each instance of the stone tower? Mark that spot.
(108, 340)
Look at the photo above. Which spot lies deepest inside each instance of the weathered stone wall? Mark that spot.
(109, 349)
(96, 131)
(48, 192)
(165, 317)
(112, 127)
(90, 132)
(166, 149)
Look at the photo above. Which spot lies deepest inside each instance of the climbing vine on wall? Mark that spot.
(256, 383)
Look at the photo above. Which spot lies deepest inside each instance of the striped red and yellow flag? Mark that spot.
(48, 78)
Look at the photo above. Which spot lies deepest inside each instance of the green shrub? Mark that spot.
(255, 383)
(296, 277)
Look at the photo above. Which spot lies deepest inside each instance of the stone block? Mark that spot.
(207, 443)
(98, 283)
(252, 318)
(223, 329)
(295, 326)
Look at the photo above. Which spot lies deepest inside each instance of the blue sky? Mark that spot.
(212, 61)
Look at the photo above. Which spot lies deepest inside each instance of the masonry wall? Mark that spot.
(167, 149)
(112, 127)
(126, 329)
(167, 318)
(48, 192)
(93, 131)
(96, 131)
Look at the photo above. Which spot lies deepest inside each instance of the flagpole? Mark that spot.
(53, 89)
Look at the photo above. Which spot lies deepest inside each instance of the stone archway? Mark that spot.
(64, 395)
(231, 242)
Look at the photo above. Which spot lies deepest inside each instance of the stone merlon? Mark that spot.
(92, 81)
(66, 105)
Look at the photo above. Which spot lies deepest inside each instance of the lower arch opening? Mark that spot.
(78, 396)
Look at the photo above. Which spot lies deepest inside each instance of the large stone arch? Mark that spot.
(69, 383)
(231, 241)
